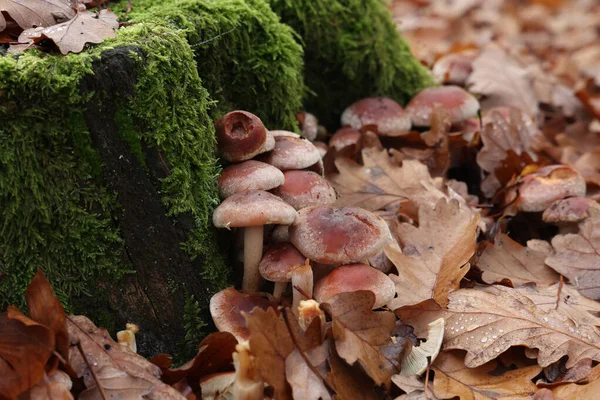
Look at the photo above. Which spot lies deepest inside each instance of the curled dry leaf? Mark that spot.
(577, 256)
(349, 382)
(452, 378)
(507, 259)
(305, 384)
(363, 335)
(486, 321)
(271, 344)
(431, 263)
(31, 13)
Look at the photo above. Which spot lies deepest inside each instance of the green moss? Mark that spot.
(55, 212)
(352, 50)
(245, 57)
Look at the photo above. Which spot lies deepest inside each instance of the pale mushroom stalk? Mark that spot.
(247, 385)
(278, 290)
(302, 278)
(253, 246)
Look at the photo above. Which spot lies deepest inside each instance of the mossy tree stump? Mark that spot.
(107, 166)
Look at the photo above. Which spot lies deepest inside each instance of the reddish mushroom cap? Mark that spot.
(322, 147)
(381, 114)
(279, 133)
(454, 68)
(548, 184)
(249, 175)
(331, 235)
(253, 208)
(565, 211)
(240, 135)
(350, 278)
(305, 188)
(226, 309)
(309, 125)
(344, 137)
(292, 153)
(459, 104)
(279, 261)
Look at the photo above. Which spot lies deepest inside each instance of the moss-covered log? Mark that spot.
(352, 50)
(246, 58)
(107, 167)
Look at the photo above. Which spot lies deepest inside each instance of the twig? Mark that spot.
(162, 160)
(427, 378)
(302, 292)
(560, 286)
(104, 397)
(214, 38)
(302, 354)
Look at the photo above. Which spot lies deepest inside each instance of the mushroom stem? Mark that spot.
(279, 289)
(247, 386)
(253, 245)
(302, 277)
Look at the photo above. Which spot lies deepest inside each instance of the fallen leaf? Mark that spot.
(577, 256)
(557, 373)
(25, 347)
(48, 391)
(503, 82)
(31, 13)
(408, 384)
(305, 384)
(271, 344)
(431, 262)
(575, 391)
(73, 35)
(117, 384)
(45, 308)
(507, 259)
(452, 378)
(349, 382)
(363, 335)
(486, 321)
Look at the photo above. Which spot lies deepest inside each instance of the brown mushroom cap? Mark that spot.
(344, 137)
(322, 147)
(460, 104)
(566, 211)
(548, 184)
(279, 133)
(350, 278)
(249, 175)
(331, 235)
(279, 261)
(381, 114)
(454, 68)
(253, 208)
(309, 125)
(240, 135)
(226, 309)
(305, 188)
(292, 153)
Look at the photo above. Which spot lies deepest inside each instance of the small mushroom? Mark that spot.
(248, 175)
(241, 136)
(305, 188)
(454, 68)
(302, 284)
(252, 210)
(459, 104)
(248, 384)
(309, 125)
(381, 114)
(277, 265)
(569, 211)
(345, 137)
(127, 337)
(423, 355)
(292, 153)
(548, 184)
(350, 278)
(336, 236)
(226, 309)
(217, 386)
(308, 310)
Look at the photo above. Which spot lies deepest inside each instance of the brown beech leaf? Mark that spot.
(577, 256)
(305, 384)
(25, 347)
(45, 308)
(503, 82)
(349, 382)
(486, 321)
(452, 378)
(271, 343)
(73, 35)
(364, 335)
(117, 384)
(507, 259)
(30, 13)
(103, 352)
(433, 255)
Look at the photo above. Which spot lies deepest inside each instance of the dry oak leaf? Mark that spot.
(431, 263)
(502, 81)
(304, 382)
(101, 351)
(486, 321)
(73, 35)
(32, 13)
(349, 382)
(507, 259)
(452, 379)
(577, 256)
(271, 344)
(25, 347)
(363, 335)
(117, 385)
